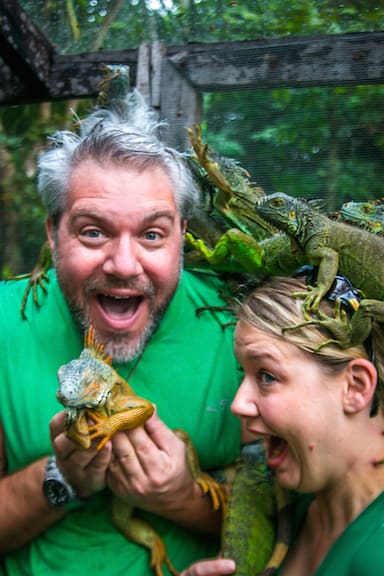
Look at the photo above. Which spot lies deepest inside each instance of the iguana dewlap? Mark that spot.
(91, 389)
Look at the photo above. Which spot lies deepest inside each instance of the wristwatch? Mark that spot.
(56, 489)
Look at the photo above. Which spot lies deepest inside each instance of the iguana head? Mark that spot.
(85, 382)
(368, 215)
(279, 209)
(291, 215)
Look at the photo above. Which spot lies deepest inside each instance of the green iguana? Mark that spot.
(368, 215)
(91, 389)
(231, 194)
(257, 547)
(332, 246)
(237, 252)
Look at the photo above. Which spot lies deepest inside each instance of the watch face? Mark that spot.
(56, 492)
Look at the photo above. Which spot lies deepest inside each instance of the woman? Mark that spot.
(320, 411)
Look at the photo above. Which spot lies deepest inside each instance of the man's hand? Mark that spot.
(149, 468)
(85, 469)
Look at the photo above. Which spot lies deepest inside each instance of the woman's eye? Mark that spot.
(267, 378)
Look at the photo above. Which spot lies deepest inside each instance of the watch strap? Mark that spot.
(57, 490)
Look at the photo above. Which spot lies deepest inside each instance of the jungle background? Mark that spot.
(325, 143)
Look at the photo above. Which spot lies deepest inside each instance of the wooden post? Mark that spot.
(176, 101)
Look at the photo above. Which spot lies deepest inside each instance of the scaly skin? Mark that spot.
(233, 194)
(38, 277)
(254, 544)
(333, 246)
(90, 388)
(238, 252)
(368, 215)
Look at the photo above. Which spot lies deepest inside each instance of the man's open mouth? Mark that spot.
(118, 306)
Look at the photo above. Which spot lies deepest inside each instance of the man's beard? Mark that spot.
(118, 345)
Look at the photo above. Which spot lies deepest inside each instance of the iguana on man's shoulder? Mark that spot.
(332, 246)
(91, 389)
(237, 252)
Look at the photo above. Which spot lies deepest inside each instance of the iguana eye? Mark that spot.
(277, 202)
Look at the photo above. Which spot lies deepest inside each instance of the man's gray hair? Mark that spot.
(124, 136)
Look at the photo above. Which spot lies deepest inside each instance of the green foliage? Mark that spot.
(74, 26)
(315, 142)
(23, 132)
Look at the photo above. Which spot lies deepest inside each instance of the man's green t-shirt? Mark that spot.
(359, 550)
(188, 370)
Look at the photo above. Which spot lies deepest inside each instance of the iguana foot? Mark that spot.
(76, 428)
(338, 326)
(312, 298)
(37, 278)
(207, 483)
(106, 427)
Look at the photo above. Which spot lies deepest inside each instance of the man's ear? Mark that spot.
(360, 385)
(184, 226)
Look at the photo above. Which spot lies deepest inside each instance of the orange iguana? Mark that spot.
(91, 389)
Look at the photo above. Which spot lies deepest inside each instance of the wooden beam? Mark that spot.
(26, 54)
(332, 60)
(79, 75)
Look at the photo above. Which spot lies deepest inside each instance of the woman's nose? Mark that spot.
(244, 403)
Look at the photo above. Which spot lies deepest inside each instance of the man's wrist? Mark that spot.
(56, 488)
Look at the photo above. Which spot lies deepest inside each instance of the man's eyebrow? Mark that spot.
(151, 218)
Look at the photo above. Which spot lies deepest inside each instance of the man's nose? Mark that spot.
(123, 258)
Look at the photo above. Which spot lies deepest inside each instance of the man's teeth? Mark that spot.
(119, 305)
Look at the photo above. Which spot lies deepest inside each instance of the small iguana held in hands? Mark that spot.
(90, 389)
(332, 246)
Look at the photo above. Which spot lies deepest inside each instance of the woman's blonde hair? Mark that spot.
(272, 308)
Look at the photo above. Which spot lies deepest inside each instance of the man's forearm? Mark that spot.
(24, 511)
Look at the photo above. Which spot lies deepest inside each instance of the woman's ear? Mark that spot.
(360, 385)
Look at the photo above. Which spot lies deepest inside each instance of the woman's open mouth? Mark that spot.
(277, 449)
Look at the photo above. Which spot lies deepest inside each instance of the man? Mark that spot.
(118, 202)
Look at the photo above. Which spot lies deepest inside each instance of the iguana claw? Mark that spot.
(36, 278)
